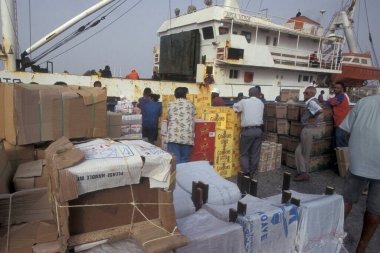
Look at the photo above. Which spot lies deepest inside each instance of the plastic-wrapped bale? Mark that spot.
(209, 234)
(268, 227)
(221, 191)
(320, 224)
(183, 204)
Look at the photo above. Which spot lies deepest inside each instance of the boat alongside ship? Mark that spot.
(218, 46)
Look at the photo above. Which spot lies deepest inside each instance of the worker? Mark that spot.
(215, 99)
(181, 122)
(106, 72)
(97, 84)
(252, 110)
(133, 75)
(151, 111)
(145, 98)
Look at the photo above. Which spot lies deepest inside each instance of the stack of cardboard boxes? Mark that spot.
(31, 117)
(270, 156)
(282, 124)
(227, 139)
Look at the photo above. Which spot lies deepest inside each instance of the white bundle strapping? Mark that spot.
(209, 234)
(183, 204)
(221, 191)
(107, 164)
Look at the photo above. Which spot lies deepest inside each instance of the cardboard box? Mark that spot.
(19, 154)
(270, 110)
(31, 175)
(295, 129)
(28, 237)
(321, 147)
(343, 159)
(114, 122)
(204, 141)
(283, 140)
(37, 113)
(283, 126)
(291, 160)
(6, 171)
(224, 169)
(289, 94)
(271, 137)
(220, 119)
(321, 162)
(2, 113)
(271, 125)
(224, 139)
(24, 206)
(293, 112)
(281, 111)
(107, 213)
(292, 144)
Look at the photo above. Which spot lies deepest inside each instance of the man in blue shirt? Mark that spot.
(151, 110)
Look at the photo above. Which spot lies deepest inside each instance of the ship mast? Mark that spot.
(9, 27)
(233, 5)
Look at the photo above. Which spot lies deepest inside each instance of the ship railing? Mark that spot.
(303, 58)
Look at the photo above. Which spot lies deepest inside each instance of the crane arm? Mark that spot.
(65, 26)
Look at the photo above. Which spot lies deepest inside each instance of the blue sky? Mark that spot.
(129, 42)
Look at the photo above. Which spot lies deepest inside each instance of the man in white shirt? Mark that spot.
(252, 110)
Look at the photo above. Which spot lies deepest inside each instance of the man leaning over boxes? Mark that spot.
(310, 118)
(252, 110)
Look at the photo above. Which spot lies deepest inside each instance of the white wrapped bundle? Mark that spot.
(209, 234)
(221, 191)
(268, 227)
(321, 222)
(183, 204)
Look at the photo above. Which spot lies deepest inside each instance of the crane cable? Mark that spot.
(131, 8)
(370, 36)
(80, 30)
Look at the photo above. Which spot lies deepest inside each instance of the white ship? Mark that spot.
(217, 46)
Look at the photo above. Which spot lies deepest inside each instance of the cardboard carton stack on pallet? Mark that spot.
(270, 156)
(282, 124)
(227, 139)
(31, 118)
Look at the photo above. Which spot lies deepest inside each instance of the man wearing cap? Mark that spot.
(252, 110)
(215, 99)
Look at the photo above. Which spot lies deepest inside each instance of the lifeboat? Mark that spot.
(356, 69)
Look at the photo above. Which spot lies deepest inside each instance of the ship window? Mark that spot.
(223, 30)
(208, 32)
(234, 74)
(275, 41)
(305, 78)
(356, 60)
(248, 77)
(364, 61)
(247, 36)
(347, 59)
(299, 78)
(235, 53)
(267, 41)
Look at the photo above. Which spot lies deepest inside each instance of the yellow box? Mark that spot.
(219, 118)
(202, 99)
(211, 109)
(222, 156)
(167, 98)
(190, 97)
(224, 169)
